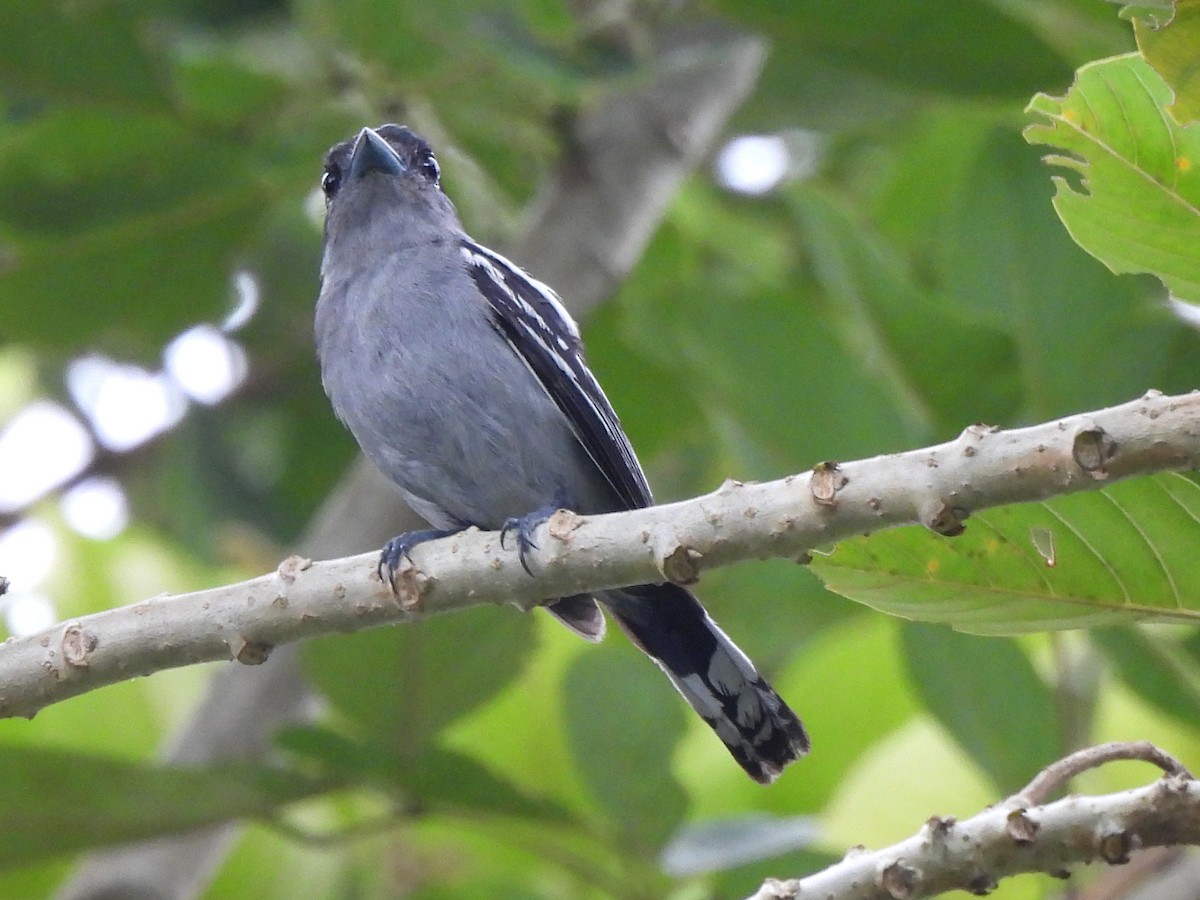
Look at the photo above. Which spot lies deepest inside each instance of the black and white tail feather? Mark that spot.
(666, 621)
(714, 676)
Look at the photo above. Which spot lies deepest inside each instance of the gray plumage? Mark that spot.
(464, 381)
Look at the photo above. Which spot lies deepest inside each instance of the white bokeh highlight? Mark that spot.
(27, 553)
(28, 613)
(1185, 312)
(206, 364)
(753, 163)
(756, 164)
(314, 207)
(248, 296)
(96, 508)
(126, 404)
(42, 446)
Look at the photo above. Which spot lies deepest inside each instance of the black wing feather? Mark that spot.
(533, 321)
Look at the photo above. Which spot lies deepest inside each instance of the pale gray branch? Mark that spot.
(937, 486)
(1012, 838)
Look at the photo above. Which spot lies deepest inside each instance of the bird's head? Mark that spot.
(385, 183)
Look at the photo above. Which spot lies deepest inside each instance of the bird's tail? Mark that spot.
(713, 675)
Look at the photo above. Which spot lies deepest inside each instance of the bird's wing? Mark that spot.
(541, 332)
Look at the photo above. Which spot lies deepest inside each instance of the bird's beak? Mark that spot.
(373, 154)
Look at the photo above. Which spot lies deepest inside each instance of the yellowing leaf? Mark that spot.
(1170, 46)
(1121, 554)
(1134, 202)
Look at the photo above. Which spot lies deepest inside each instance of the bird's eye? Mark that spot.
(330, 181)
(430, 168)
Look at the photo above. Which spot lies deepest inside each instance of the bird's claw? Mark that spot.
(401, 546)
(525, 526)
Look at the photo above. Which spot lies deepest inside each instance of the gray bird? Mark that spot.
(463, 379)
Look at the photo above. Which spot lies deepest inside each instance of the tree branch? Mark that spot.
(1016, 837)
(1059, 773)
(936, 486)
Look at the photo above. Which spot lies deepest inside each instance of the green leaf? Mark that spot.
(985, 692)
(445, 780)
(623, 722)
(156, 273)
(459, 48)
(1005, 260)
(223, 92)
(963, 47)
(1156, 12)
(652, 419)
(1170, 47)
(108, 221)
(1105, 557)
(334, 753)
(55, 801)
(1133, 204)
(76, 169)
(79, 52)
(758, 327)
(403, 685)
(896, 332)
(1157, 667)
(440, 779)
(984, 245)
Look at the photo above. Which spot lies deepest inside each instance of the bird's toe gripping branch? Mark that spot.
(524, 528)
(401, 546)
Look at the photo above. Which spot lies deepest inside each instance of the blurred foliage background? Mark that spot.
(867, 261)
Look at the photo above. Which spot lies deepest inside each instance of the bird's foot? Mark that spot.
(524, 527)
(401, 545)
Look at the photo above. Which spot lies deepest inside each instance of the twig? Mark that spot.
(1015, 837)
(1059, 773)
